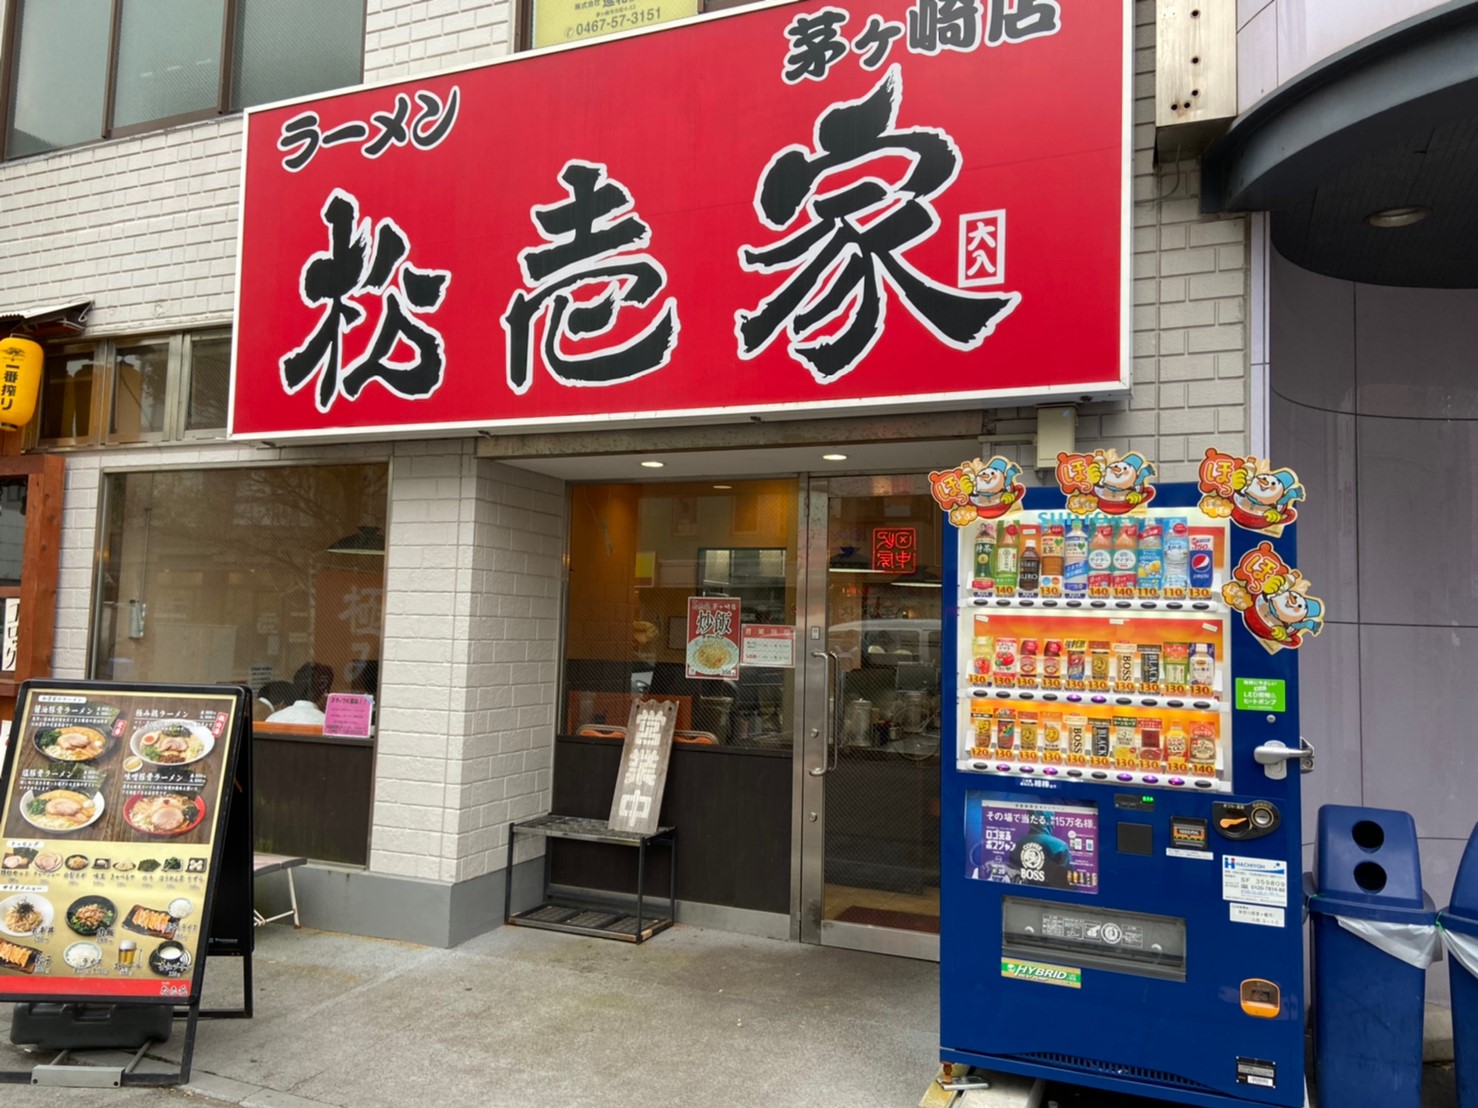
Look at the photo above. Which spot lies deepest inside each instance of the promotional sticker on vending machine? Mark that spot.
(1121, 835)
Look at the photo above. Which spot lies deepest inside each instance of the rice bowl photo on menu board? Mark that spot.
(113, 805)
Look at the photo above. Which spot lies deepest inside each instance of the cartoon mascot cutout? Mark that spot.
(1104, 482)
(978, 490)
(1249, 492)
(1274, 600)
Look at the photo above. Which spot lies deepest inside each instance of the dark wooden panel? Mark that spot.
(882, 821)
(313, 798)
(732, 814)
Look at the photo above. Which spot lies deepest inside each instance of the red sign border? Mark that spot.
(1104, 388)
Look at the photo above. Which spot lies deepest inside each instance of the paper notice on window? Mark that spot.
(764, 645)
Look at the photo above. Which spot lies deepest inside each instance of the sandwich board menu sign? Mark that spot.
(115, 805)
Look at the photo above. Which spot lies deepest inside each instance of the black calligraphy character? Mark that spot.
(347, 268)
(842, 265)
(353, 131)
(588, 248)
(935, 25)
(393, 131)
(406, 290)
(434, 122)
(816, 45)
(876, 41)
(1014, 21)
(300, 132)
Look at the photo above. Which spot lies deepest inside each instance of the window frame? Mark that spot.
(97, 406)
(180, 398)
(9, 74)
(179, 375)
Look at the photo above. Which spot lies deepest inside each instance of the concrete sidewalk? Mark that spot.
(528, 1018)
(522, 1017)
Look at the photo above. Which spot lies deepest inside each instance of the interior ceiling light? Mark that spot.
(833, 457)
(723, 486)
(1397, 217)
(653, 465)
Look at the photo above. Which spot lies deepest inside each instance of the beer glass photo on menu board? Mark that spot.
(115, 798)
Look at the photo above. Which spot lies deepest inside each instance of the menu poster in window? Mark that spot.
(1045, 846)
(713, 637)
(642, 777)
(115, 798)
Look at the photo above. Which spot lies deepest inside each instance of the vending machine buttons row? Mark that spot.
(1094, 775)
(1080, 605)
(1096, 698)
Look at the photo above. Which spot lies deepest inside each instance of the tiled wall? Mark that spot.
(1375, 405)
(474, 568)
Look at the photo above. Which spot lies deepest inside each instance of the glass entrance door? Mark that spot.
(869, 767)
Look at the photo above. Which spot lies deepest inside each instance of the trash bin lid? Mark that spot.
(1372, 909)
(1461, 922)
(1369, 856)
(1465, 888)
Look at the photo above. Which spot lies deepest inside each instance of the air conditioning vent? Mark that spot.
(1113, 1069)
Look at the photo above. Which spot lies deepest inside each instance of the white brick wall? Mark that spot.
(405, 38)
(474, 572)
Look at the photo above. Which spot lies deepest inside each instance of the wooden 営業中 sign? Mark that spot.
(643, 774)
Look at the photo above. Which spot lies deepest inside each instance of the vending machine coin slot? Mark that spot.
(1245, 821)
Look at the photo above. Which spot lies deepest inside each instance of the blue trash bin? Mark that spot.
(1368, 1003)
(1460, 920)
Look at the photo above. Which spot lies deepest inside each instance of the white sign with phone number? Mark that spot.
(1255, 880)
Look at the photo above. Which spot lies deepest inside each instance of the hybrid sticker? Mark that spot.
(1042, 973)
(1255, 880)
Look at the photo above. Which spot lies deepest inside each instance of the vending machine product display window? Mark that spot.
(1107, 660)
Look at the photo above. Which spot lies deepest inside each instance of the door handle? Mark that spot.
(828, 714)
(834, 667)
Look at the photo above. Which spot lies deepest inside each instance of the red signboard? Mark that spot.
(713, 637)
(828, 211)
(895, 549)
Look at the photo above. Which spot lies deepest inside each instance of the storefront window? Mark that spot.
(259, 577)
(638, 553)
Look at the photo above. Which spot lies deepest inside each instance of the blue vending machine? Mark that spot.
(1121, 845)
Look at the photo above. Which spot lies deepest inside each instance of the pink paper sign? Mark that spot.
(348, 715)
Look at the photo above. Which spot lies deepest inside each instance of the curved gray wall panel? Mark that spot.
(1375, 404)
